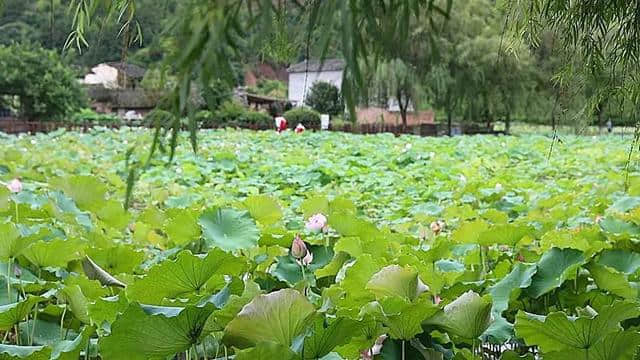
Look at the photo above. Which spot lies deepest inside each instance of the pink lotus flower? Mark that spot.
(375, 349)
(306, 260)
(298, 248)
(316, 223)
(15, 186)
(300, 129)
(437, 299)
(437, 226)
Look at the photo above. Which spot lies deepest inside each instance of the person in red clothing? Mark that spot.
(281, 124)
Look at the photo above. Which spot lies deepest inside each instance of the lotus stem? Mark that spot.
(9, 278)
(64, 312)
(403, 350)
(17, 327)
(33, 328)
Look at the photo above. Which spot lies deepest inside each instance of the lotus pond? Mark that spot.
(319, 246)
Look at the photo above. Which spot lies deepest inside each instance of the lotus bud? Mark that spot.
(300, 129)
(15, 186)
(316, 223)
(298, 248)
(437, 227)
(437, 299)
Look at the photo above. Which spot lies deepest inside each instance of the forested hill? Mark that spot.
(49, 22)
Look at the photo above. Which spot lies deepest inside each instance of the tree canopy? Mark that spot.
(38, 83)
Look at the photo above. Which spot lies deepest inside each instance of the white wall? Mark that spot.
(297, 83)
(102, 74)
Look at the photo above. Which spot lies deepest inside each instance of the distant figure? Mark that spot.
(609, 126)
(300, 129)
(281, 124)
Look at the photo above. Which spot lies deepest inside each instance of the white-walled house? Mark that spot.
(115, 75)
(303, 75)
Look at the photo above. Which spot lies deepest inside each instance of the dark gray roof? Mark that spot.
(316, 65)
(123, 98)
(131, 70)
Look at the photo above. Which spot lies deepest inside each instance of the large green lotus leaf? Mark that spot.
(12, 314)
(326, 337)
(555, 266)
(113, 214)
(11, 243)
(501, 293)
(87, 191)
(267, 351)
(504, 234)
(277, 317)
(557, 332)
(5, 194)
(350, 225)
(232, 306)
(118, 259)
(182, 226)
(229, 229)
(622, 260)
(349, 245)
(626, 203)
(78, 303)
(264, 209)
(315, 205)
(153, 217)
(10, 352)
(620, 345)
(519, 278)
(395, 280)
(468, 316)
(404, 318)
(55, 253)
(611, 280)
(469, 232)
(350, 291)
(107, 309)
(70, 349)
(333, 267)
(153, 332)
(289, 270)
(184, 277)
(619, 227)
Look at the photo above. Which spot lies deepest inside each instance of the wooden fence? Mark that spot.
(18, 126)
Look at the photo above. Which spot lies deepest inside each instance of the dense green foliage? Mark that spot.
(37, 83)
(527, 249)
(325, 98)
(309, 118)
(233, 114)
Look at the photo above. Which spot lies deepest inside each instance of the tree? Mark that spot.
(325, 98)
(45, 87)
(399, 81)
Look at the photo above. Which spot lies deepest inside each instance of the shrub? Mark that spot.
(45, 86)
(90, 116)
(307, 117)
(234, 114)
(229, 113)
(325, 98)
(257, 118)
